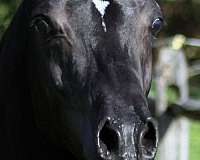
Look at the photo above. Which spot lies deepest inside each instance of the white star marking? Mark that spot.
(101, 7)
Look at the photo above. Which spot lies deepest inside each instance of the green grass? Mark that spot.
(194, 152)
(194, 125)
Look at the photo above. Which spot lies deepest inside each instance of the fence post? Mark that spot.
(172, 69)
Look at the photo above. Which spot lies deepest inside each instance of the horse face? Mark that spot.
(90, 73)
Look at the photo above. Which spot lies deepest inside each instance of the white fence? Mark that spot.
(172, 68)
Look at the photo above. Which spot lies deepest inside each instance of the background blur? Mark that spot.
(182, 17)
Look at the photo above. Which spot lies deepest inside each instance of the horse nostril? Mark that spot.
(107, 140)
(149, 139)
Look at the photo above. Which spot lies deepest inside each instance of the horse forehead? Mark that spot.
(100, 5)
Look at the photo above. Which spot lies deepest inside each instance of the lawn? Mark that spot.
(195, 125)
(194, 141)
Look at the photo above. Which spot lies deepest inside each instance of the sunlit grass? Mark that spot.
(194, 141)
(194, 149)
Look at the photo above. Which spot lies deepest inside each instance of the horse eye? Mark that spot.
(41, 25)
(156, 26)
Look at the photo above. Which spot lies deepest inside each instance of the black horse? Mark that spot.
(74, 80)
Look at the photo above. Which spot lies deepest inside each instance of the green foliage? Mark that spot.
(194, 83)
(7, 10)
(172, 94)
(182, 16)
